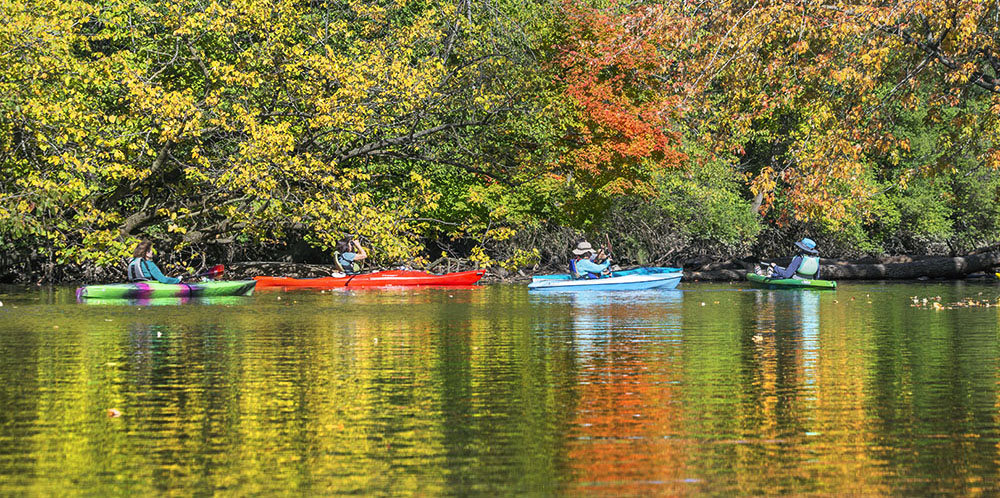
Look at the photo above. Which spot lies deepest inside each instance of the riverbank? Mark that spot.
(880, 268)
(885, 268)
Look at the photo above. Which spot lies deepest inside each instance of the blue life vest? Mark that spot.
(573, 273)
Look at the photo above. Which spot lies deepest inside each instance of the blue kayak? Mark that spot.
(637, 279)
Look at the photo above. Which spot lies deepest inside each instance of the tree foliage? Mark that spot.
(203, 122)
(254, 123)
(807, 98)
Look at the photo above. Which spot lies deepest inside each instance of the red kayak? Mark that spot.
(376, 279)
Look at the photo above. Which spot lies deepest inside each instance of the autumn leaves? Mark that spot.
(257, 122)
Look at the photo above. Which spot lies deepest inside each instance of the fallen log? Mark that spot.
(714, 276)
(250, 269)
(940, 267)
(832, 269)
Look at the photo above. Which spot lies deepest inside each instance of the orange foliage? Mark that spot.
(612, 69)
(821, 83)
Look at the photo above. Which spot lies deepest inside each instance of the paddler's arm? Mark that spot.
(586, 265)
(154, 271)
(359, 252)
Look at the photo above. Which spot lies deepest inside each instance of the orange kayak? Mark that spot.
(376, 279)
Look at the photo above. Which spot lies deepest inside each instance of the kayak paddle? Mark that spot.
(213, 272)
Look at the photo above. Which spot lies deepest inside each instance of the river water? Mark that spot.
(493, 390)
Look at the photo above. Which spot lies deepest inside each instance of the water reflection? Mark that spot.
(625, 390)
(781, 363)
(169, 301)
(786, 334)
(810, 336)
(602, 316)
(498, 391)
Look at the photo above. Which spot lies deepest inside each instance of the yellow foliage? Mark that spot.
(175, 108)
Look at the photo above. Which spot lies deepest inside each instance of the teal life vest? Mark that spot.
(345, 265)
(809, 266)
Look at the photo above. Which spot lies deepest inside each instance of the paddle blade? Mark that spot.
(217, 271)
(214, 272)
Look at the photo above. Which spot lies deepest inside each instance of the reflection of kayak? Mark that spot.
(155, 290)
(637, 279)
(790, 283)
(376, 279)
(168, 301)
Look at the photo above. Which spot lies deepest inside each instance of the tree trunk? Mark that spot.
(930, 268)
(831, 269)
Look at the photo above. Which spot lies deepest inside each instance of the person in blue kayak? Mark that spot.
(142, 268)
(805, 264)
(586, 263)
(350, 254)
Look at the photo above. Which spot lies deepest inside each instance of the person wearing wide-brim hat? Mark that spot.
(587, 263)
(805, 264)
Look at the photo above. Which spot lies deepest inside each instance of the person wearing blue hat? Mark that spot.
(805, 264)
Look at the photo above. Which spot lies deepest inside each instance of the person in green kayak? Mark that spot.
(805, 264)
(142, 268)
(586, 263)
(350, 254)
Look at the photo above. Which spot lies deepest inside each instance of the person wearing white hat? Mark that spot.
(586, 263)
(805, 264)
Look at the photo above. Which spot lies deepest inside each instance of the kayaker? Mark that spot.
(586, 263)
(805, 264)
(142, 268)
(350, 254)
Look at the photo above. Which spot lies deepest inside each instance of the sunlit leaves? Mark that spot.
(197, 120)
(613, 66)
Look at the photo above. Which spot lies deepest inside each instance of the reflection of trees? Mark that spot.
(763, 391)
(934, 402)
(493, 391)
(627, 403)
(21, 378)
(372, 392)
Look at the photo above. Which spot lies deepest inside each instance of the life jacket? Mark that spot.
(809, 267)
(138, 271)
(574, 274)
(345, 265)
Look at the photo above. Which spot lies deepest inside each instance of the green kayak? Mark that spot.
(169, 301)
(789, 283)
(155, 290)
